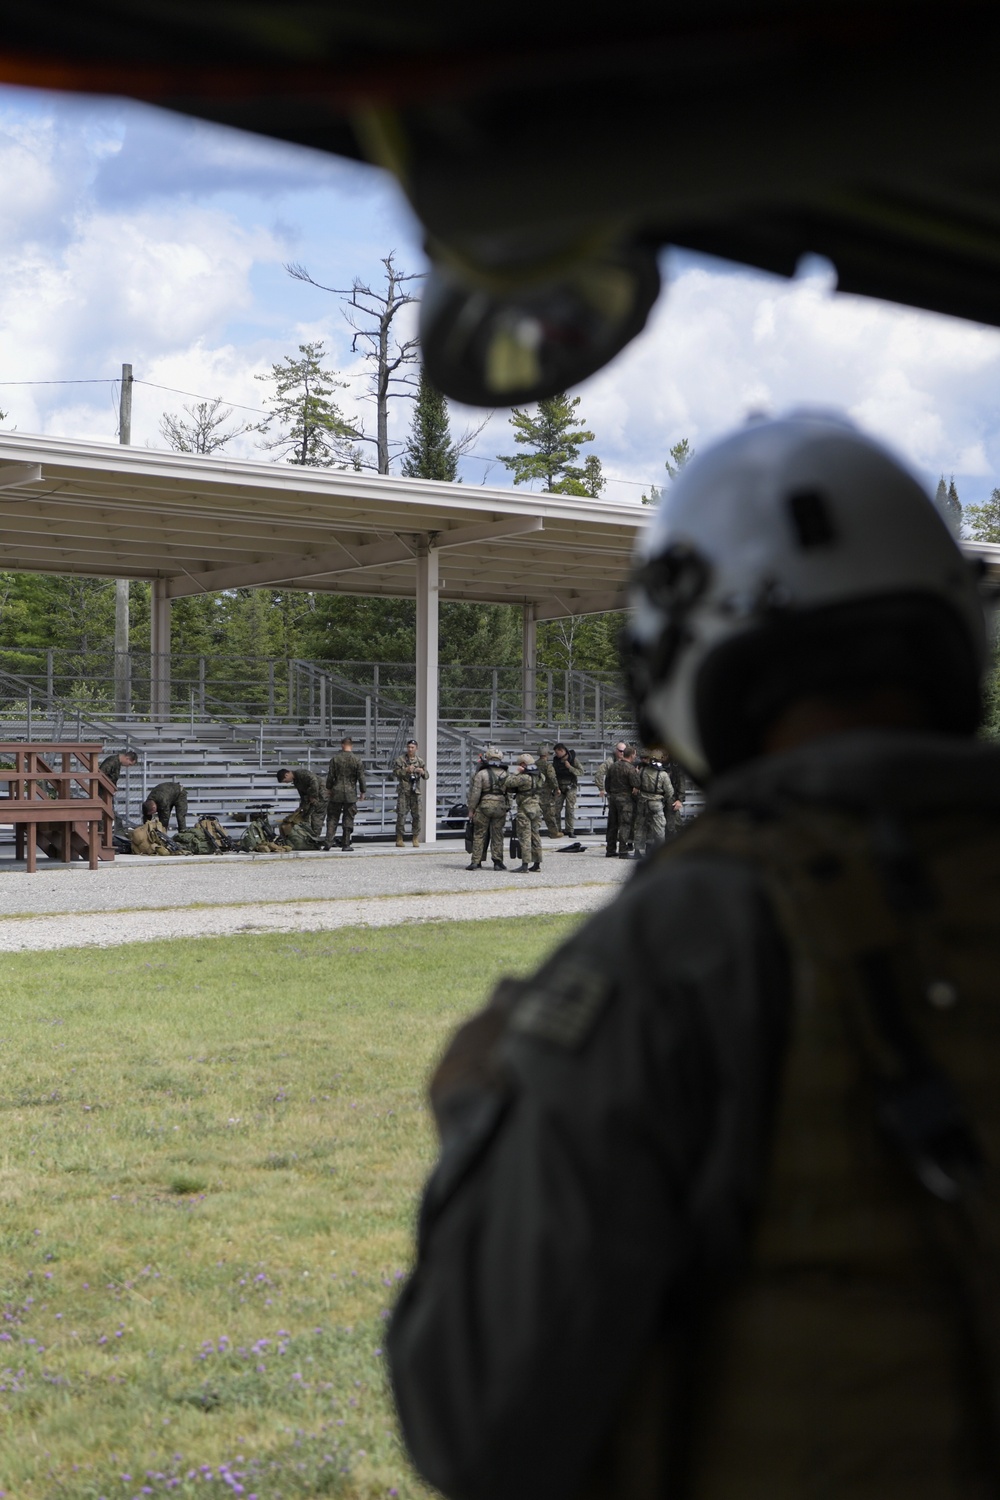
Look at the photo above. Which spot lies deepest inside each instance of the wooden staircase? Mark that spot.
(58, 802)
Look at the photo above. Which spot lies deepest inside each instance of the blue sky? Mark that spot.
(133, 235)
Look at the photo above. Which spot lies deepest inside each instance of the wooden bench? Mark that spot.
(58, 801)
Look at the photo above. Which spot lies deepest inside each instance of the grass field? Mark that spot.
(209, 1155)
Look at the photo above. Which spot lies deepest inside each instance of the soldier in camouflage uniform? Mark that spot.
(673, 806)
(605, 767)
(654, 793)
(409, 770)
(620, 779)
(524, 784)
(312, 802)
(488, 809)
(548, 790)
(567, 774)
(165, 798)
(111, 765)
(344, 781)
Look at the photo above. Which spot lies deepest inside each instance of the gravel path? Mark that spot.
(107, 929)
(143, 900)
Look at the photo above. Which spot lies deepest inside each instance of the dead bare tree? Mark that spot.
(371, 313)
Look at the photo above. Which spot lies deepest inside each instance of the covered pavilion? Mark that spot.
(191, 524)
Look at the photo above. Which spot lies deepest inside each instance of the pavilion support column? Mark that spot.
(529, 665)
(159, 652)
(427, 680)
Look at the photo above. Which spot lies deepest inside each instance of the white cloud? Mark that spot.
(724, 341)
(119, 246)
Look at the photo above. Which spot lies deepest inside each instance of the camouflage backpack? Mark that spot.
(259, 838)
(213, 831)
(152, 838)
(296, 833)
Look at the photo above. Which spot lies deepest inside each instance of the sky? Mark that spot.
(132, 235)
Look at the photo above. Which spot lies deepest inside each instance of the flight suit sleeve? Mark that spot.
(330, 776)
(475, 793)
(362, 783)
(615, 1135)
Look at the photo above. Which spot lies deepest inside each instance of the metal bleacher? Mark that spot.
(228, 762)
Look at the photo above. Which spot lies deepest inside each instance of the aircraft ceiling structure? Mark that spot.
(861, 130)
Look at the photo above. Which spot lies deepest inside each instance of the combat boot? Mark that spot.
(522, 870)
(498, 864)
(400, 841)
(536, 867)
(474, 866)
(416, 841)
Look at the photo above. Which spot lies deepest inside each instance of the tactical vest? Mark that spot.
(494, 795)
(859, 1355)
(649, 782)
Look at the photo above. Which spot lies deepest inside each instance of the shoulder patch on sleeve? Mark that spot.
(564, 1006)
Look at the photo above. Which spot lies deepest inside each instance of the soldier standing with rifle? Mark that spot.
(344, 781)
(488, 809)
(409, 770)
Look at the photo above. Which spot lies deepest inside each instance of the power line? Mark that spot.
(260, 411)
(198, 396)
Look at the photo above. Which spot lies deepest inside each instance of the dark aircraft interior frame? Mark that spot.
(864, 131)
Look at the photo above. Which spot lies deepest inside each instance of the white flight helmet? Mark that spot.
(796, 555)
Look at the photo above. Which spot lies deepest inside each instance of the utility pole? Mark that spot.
(122, 675)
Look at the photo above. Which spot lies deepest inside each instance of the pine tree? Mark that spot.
(430, 452)
(312, 428)
(555, 440)
(984, 520)
(680, 456)
(953, 514)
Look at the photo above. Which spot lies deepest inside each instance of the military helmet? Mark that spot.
(796, 556)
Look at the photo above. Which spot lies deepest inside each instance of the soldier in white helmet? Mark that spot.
(716, 1212)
